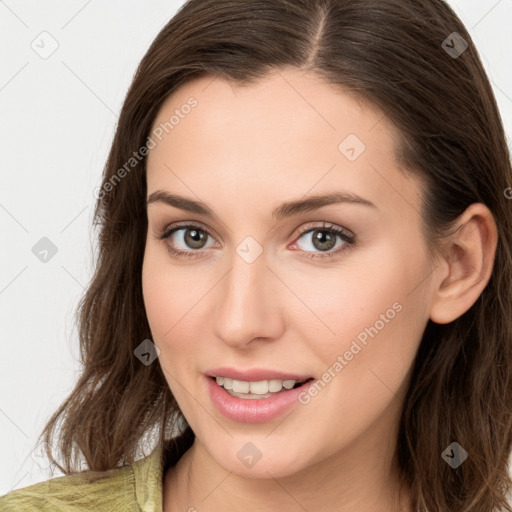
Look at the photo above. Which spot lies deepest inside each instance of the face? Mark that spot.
(265, 295)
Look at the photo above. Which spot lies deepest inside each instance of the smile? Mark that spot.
(254, 401)
(256, 389)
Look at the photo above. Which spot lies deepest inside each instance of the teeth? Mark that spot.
(240, 386)
(261, 387)
(275, 385)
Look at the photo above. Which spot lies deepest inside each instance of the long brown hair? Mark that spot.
(402, 56)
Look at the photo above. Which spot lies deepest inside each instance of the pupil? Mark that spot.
(194, 238)
(321, 236)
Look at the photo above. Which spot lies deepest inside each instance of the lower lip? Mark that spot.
(257, 410)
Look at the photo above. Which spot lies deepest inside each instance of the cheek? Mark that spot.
(165, 289)
(156, 292)
(363, 367)
(372, 312)
(173, 296)
(379, 316)
(166, 305)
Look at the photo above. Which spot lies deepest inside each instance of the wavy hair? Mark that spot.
(403, 57)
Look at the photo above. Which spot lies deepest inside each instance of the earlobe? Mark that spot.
(467, 265)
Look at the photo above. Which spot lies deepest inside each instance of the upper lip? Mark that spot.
(254, 374)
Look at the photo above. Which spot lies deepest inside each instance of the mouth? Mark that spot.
(257, 390)
(255, 395)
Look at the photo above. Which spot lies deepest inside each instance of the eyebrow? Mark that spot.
(286, 209)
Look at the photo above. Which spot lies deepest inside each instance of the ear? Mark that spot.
(465, 269)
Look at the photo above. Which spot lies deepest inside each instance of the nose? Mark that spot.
(249, 304)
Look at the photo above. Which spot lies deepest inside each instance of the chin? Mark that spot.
(257, 457)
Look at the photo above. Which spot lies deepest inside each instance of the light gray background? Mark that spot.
(58, 116)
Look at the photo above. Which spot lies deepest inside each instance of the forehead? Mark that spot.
(301, 103)
(289, 132)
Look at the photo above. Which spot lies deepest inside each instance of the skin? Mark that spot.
(243, 151)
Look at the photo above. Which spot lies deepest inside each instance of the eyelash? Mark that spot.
(348, 238)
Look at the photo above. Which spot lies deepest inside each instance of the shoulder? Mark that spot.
(101, 491)
(128, 489)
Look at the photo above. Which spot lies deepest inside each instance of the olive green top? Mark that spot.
(137, 488)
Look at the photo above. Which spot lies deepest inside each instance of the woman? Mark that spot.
(303, 292)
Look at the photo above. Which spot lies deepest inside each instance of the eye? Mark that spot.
(325, 238)
(191, 236)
